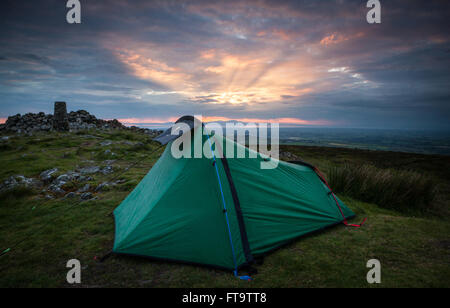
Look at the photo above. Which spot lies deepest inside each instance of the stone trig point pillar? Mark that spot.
(60, 119)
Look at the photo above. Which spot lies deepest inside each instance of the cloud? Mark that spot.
(307, 60)
(295, 121)
(147, 120)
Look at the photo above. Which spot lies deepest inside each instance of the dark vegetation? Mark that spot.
(407, 182)
(396, 189)
(16, 193)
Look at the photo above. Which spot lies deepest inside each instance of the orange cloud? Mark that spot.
(208, 54)
(295, 121)
(3, 120)
(261, 33)
(273, 120)
(147, 120)
(235, 79)
(146, 67)
(282, 34)
(332, 39)
(336, 38)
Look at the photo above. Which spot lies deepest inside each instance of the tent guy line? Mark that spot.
(175, 213)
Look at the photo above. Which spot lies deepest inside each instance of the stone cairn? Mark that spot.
(63, 121)
(60, 118)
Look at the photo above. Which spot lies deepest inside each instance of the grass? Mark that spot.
(412, 247)
(398, 189)
(16, 193)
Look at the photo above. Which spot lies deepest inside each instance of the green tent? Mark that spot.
(222, 212)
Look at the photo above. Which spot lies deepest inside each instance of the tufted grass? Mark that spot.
(398, 189)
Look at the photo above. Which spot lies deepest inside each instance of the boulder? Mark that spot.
(84, 189)
(90, 170)
(63, 121)
(47, 175)
(56, 189)
(70, 195)
(19, 180)
(107, 170)
(86, 196)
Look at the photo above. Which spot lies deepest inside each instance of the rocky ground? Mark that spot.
(89, 162)
(55, 187)
(78, 120)
(52, 183)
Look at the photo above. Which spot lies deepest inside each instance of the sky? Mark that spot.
(306, 63)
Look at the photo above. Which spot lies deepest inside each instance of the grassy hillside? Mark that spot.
(413, 246)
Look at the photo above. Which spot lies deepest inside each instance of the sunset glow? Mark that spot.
(232, 78)
(296, 121)
(299, 62)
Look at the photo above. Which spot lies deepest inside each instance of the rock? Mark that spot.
(27, 181)
(63, 178)
(5, 138)
(288, 156)
(70, 195)
(56, 189)
(19, 180)
(107, 170)
(83, 178)
(49, 197)
(86, 196)
(90, 200)
(74, 175)
(68, 177)
(35, 183)
(105, 143)
(8, 184)
(101, 186)
(85, 188)
(58, 183)
(56, 186)
(47, 175)
(60, 118)
(90, 170)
